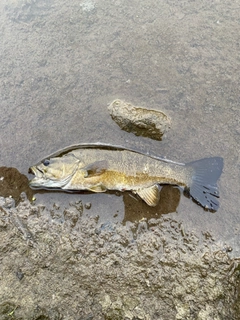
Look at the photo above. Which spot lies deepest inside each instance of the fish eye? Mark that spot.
(46, 162)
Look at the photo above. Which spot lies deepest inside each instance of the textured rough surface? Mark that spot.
(140, 121)
(63, 264)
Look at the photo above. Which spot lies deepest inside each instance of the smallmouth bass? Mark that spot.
(101, 167)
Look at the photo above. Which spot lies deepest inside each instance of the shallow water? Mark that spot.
(62, 63)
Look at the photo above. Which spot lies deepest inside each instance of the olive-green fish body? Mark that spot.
(124, 170)
(99, 169)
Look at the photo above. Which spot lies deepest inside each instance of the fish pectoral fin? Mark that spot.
(96, 168)
(98, 188)
(150, 195)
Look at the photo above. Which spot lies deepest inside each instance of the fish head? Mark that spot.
(54, 172)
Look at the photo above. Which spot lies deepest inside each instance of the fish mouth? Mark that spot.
(32, 170)
(37, 181)
(36, 171)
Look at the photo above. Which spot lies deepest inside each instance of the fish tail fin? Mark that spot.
(203, 187)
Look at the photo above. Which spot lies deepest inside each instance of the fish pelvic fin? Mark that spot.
(203, 187)
(97, 188)
(150, 195)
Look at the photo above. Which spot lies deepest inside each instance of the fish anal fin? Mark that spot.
(150, 195)
(96, 168)
(98, 188)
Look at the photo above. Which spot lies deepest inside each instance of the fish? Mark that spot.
(99, 167)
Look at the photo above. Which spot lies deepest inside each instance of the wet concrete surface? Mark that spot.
(61, 65)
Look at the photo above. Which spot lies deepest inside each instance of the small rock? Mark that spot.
(19, 274)
(9, 203)
(140, 121)
(88, 205)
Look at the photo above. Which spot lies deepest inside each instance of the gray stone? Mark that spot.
(140, 121)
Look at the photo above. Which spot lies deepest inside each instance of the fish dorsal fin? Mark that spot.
(98, 188)
(96, 168)
(150, 195)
